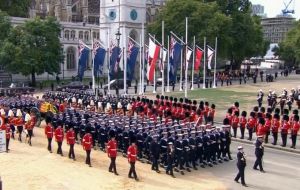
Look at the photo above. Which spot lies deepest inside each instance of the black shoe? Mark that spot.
(236, 181)
(157, 171)
(130, 177)
(262, 171)
(173, 175)
(202, 166)
(136, 179)
(74, 159)
(110, 171)
(255, 168)
(116, 173)
(188, 169)
(245, 185)
(195, 168)
(182, 173)
(90, 165)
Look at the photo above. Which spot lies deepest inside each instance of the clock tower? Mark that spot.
(125, 16)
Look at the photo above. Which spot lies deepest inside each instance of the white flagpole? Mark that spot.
(168, 57)
(141, 69)
(204, 60)
(108, 61)
(186, 58)
(154, 81)
(143, 57)
(194, 52)
(162, 57)
(125, 63)
(181, 65)
(215, 69)
(93, 67)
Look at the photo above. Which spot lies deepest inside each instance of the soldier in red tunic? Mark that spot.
(295, 129)
(6, 127)
(49, 133)
(132, 154)
(59, 137)
(70, 136)
(87, 143)
(112, 152)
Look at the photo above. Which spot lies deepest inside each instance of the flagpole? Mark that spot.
(154, 81)
(143, 57)
(162, 59)
(141, 69)
(215, 69)
(204, 60)
(193, 66)
(181, 65)
(108, 61)
(168, 57)
(186, 58)
(93, 67)
(125, 63)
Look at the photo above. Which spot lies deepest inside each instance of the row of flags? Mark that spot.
(152, 52)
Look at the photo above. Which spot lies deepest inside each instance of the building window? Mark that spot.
(81, 35)
(86, 36)
(71, 64)
(67, 34)
(73, 34)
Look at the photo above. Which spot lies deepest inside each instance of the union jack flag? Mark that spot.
(81, 47)
(96, 46)
(172, 44)
(118, 60)
(130, 46)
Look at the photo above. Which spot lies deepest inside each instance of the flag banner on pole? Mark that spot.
(199, 54)
(175, 56)
(83, 52)
(114, 58)
(164, 56)
(188, 57)
(210, 54)
(131, 59)
(153, 55)
(99, 57)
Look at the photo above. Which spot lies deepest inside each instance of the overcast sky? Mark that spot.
(274, 7)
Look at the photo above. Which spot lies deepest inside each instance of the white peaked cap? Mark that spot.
(129, 107)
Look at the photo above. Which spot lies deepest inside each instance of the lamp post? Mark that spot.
(118, 36)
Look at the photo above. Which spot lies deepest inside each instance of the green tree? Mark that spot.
(289, 48)
(205, 20)
(18, 8)
(239, 34)
(33, 48)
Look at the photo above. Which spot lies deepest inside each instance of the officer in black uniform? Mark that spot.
(199, 149)
(186, 152)
(179, 154)
(241, 165)
(155, 150)
(259, 153)
(170, 159)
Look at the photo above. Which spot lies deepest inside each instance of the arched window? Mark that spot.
(86, 36)
(73, 34)
(71, 64)
(81, 35)
(67, 34)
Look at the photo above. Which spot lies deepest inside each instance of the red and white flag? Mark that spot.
(210, 54)
(153, 55)
(199, 54)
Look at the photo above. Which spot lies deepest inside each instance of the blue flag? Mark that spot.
(114, 58)
(82, 60)
(99, 57)
(175, 58)
(131, 59)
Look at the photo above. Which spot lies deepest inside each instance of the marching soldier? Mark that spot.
(275, 127)
(49, 133)
(260, 97)
(19, 123)
(243, 122)
(112, 152)
(155, 151)
(70, 136)
(285, 126)
(241, 165)
(259, 152)
(5, 127)
(87, 142)
(170, 159)
(295, 129)
(132, 156)
(59, 137)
